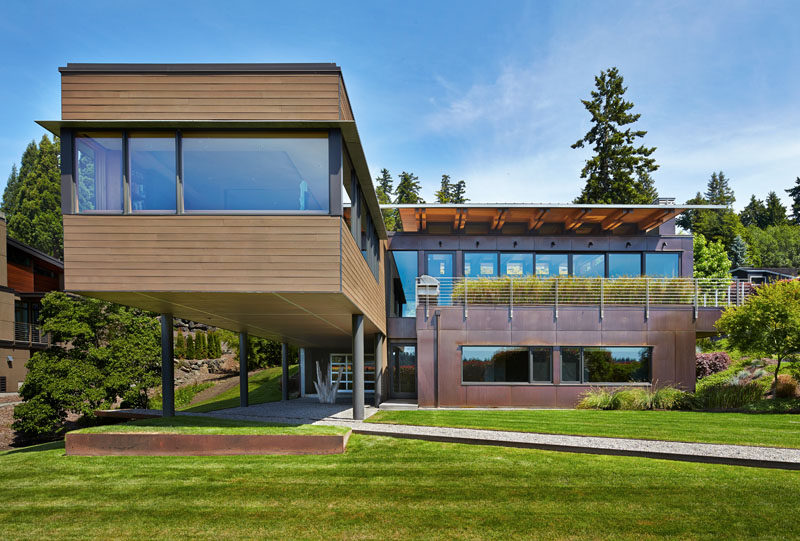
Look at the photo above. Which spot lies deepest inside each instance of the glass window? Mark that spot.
(404, 369)
(255, 172)
(616, 364)
(516, 264)
(98, 171)
(551, 265)
(624, 265)
(666, 265)
(152, 170)
(494, 364)
(480, 264)
(406, 264)
(440, 265)
(570, 364)
(589, 265)
(541, 363)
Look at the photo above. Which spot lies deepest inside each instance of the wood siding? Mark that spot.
(203, 97)
(358, 282)
(202, 253)
(20, 278)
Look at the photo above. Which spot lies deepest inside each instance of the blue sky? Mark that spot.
(487, 92)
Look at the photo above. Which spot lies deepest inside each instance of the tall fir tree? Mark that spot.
(774, 211)
(754, 213)
(619, 172)
(32, 203)
(408, 189)
(190, 347)
(444, 194)
(794, 193)
(738, 253)
(718, 191)
(180, 345)
(384, 192)
(687, 220)
(458, 192)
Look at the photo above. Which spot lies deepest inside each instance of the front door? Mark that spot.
(403, 370)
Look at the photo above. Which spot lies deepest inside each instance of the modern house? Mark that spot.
(764, 275)
(239, 195)
(26, 275)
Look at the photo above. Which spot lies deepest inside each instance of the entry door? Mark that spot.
(403, 370)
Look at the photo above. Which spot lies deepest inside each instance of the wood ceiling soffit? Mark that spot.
(657, 218)
(576, 219)
(499, 219)
(614, 220)
(536, 221)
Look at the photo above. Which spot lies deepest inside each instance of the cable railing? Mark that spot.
(30, 333)
(568, 290)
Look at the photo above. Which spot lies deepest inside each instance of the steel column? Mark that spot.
(243, 390)
(284, 372)
(380, 340)
(358, 367)
(167, 368)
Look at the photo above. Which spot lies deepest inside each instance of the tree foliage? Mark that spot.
(451, 192)
(738, 253)
(384, 193)
(794, 193)
(754, 213)
(710, 259)
(101, 352)
(719, 191)
(408, 189)
(619, 171)
(767, 323)
(32, 198)
(775, 246)
(774, 211)
(719, 225)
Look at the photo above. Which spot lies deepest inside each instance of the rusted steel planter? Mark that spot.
(165, 444)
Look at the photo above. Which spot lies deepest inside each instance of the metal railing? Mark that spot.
(30, 333)
(533, 291)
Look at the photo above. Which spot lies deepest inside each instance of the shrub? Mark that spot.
(711, 363)
(786, 387)
(723, 396)
(190, 347)
(597, 399)
(670, 398)
(180, 345)
(634, 399)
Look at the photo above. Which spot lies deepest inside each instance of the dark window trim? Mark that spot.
(581, 368)
(530, 365)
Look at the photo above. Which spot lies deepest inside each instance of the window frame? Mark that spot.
(644, 263)
(529, 350)
(582, 369)
(496, 263)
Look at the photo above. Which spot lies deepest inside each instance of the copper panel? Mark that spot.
(578, 319)
(670, 319)
(663, 362)
(425, 392)
(534, 319)
(624, 338)
(623, 319)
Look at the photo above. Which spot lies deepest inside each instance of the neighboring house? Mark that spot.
(26, 275)
(764, 275)
(239, 195)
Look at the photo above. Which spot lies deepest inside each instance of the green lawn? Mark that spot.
(184, 424)
(736, 428)
(385, 488)
(263, 386)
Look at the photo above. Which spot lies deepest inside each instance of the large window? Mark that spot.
(480, 264)
(255, 172)
(516, 264)
(628, 265)
(152, 170)
(98, 171)
(552, 265)
(405, 263)
(665, 265)
(592, 265)
(605, 364)
(489, 364)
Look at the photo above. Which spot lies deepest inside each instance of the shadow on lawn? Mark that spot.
(49, 446)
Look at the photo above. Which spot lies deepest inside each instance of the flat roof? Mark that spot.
(300, 67)
(416, 217)
(34, 252)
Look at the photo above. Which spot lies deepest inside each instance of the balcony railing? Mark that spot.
(30, 334)
(533, 291)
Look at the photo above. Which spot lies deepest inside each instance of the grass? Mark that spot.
(731, 428)
(183, 395)
(186, 424)
(385, 488)
(263, 386)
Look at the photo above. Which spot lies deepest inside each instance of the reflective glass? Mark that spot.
(589, 265)
(152, 170)
(98, 170)
(515, 264)
(255, 173)
(624, 265)
(541, 364)
(664, 265)
(570, 364)
(406, 263)
(616, 364)
(494, 364)
(404, 369)
(551, 265)
(480, 264)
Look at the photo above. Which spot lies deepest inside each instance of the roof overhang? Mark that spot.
(415, 217)
(348, 127)
(34, 252)
(201, 68)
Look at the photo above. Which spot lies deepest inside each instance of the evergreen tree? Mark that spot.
(384, 193)
(200, 346)
(180, 345)
(9, 194)
(794, 193)
(444, 194)
(190, 347)
(408, 189)
(718, 191)
(458, 192)
(618, 168)
(754, 213)
(774, 211)
(32, 203)
(738, 253)
(686, 220)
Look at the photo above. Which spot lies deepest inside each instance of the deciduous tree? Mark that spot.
(710, 259)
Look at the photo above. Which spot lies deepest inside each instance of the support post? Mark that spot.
(302, 360)
(380, 340)
(167, 368)
(647, 298)
(358, 367)
(243, 398)
(284, 372)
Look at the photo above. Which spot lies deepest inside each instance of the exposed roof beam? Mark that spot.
(536, 221)
(499, 218)
(614, 220)
(658, 218)
(424, 219)
(576, 220)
